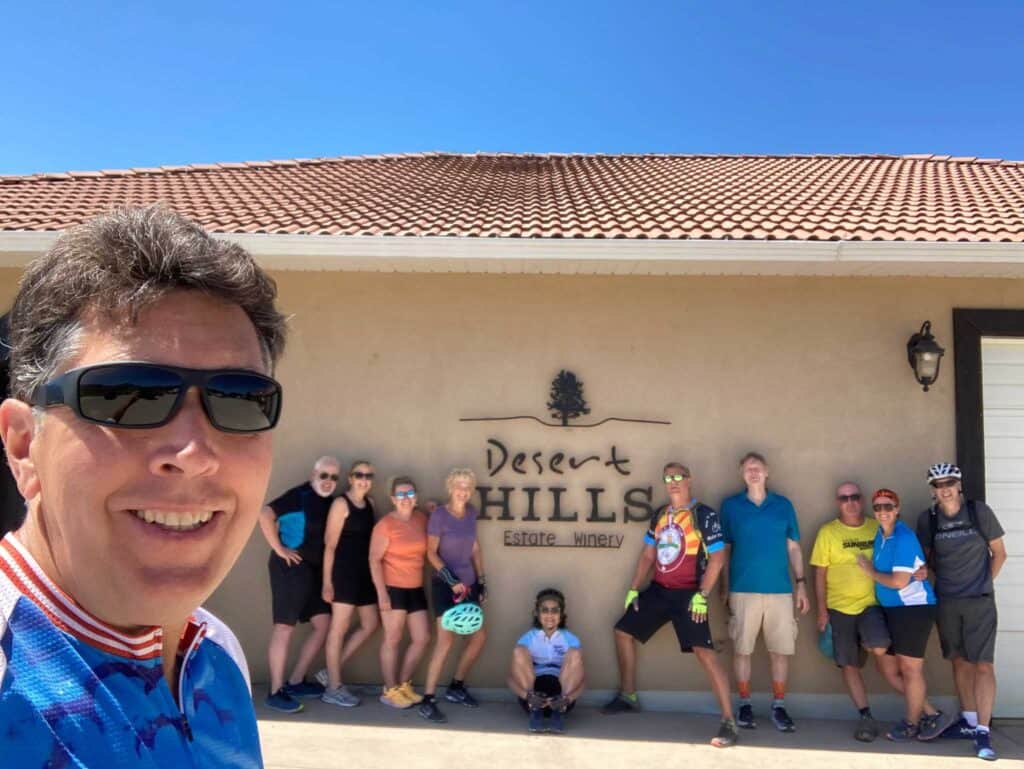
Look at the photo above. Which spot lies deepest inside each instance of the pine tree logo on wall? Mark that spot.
(567, 397)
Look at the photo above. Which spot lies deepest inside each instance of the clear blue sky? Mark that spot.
(114, 84)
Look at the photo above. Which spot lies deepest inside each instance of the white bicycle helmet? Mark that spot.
(943, 470)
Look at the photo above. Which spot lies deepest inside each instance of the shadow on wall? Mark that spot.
(12, 506)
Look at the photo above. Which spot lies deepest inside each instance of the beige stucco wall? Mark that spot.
(810, 371)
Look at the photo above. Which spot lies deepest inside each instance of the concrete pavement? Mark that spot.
(494, 736)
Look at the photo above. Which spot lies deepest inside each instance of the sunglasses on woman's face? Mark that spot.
(141, 395)
(328, 476)
(550, 610)
(405, 494)
(359, 476)
(887, 507)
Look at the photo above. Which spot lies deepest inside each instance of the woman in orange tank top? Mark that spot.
(398, 550)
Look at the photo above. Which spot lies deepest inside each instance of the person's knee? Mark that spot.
(985, 668)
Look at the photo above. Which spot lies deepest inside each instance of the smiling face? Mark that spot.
(404, 498)
(886, 512)
(140, 526)
(459, 493)
(324, 478)
(754, 472)
(549, 613)
(947, 493)
(357, 480)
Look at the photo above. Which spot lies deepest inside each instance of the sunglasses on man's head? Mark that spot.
(405, 495)
(883, 506)
(849, 497)
(359, 476)
(945, 484)
(328, 476)
(140, 395)
(677, 477)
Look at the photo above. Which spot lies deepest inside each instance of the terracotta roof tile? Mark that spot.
(797, 197)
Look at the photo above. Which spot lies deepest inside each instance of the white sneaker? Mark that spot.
(341, 697)
(322, 678)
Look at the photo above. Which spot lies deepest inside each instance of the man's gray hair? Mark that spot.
(118, 264)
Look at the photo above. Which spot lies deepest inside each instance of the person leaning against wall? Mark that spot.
(347, 582)
(293, 525)
(763, 544)
(398, 548)
(847, 604)
(964, 541)
(454, 551)
(139, 435)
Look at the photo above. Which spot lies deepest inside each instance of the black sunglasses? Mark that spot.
(328, 476)
(360, 476)
(848, 497)
(140, 395)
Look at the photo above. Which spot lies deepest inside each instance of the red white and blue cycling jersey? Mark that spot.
(78, 693)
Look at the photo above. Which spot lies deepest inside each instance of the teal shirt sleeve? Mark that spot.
(793, 527)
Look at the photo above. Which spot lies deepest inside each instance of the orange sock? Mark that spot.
(744, 689)
(779, 690)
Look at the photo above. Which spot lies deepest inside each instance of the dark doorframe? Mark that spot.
(969, 326)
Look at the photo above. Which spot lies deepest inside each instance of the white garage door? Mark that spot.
(1003, 398)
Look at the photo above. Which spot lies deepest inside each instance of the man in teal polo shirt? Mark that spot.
(763, 540)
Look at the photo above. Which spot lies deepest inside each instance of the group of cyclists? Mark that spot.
(335, 561)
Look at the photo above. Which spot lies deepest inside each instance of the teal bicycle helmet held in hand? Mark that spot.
(463, 618)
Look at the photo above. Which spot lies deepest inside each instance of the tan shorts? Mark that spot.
(772, 611)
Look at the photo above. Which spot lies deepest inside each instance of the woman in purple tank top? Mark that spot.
(454, 551)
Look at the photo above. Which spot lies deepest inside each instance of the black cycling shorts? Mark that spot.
(408, 599)
(295, 591)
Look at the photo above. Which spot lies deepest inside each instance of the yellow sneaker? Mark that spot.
(395, 698)
(410, 694)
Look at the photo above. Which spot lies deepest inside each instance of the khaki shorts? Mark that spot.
(771, 611)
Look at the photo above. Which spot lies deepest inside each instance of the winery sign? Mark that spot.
(522, 480)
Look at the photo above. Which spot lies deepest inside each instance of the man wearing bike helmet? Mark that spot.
(964, 544)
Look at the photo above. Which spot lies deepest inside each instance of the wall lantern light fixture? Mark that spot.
(924, 356)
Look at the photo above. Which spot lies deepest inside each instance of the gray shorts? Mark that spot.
(967, 628)
(852, 633)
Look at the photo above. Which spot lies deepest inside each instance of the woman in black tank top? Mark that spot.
(347, 585)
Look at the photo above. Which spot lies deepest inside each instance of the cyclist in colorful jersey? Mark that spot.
(547, 665)
(398, 548)
(685, 547)
(347, 584)
(454, 551)
(137, 432)
(909, 606)
(293, 525)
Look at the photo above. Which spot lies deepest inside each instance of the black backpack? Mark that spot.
(933, 523)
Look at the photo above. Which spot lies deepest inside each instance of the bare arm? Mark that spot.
(998, 548)
(478, 560)
(716, 563)
(643, 567)
(378, 546)
(335, 523)
(268, 525)
(896, 580)
(820, 588)
(796, 563)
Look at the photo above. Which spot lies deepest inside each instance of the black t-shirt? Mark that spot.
(963, 564)
(301, 519)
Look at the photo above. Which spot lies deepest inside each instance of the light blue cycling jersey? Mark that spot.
(78, 693)
(548, 653)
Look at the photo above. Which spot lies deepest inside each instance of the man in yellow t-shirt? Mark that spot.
(845, 597)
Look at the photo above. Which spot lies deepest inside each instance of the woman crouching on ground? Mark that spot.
(347, 583)
(909, 607)
(547, 665)
(397, 551)
(454, 551)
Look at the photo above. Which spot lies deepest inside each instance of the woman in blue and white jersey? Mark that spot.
(547, 665)
(909, 607)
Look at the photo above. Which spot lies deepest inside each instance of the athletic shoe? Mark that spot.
(322, 678)
(410, 694)
(536, 723)
(960, 730)
(461, 695)
(283, 702)
(303, 689)
(395, 698)
(782, 720)
(341, 697)
(556, 724)
(745, 718)
(620, 703)
(983, 746)
(930, 727)
(867, 730)
(429, 710)
(902, 731)
(727, 734)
